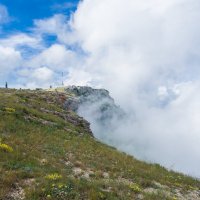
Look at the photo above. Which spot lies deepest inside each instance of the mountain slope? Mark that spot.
(47, 152)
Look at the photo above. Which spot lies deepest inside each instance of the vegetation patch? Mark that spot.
(47, 152)
(53, 177)
(5, 147)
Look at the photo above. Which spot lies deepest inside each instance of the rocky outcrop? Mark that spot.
(96, 102)
(74, 119)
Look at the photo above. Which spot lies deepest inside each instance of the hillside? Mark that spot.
(48, 152)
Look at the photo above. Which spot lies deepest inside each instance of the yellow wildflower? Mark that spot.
(6, 148)
(135, 187)
(54, 176)
(10, 110)
(60, 186)
(101, 195)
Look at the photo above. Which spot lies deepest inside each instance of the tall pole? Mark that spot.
(62, 80)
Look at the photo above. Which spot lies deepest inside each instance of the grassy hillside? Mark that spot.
(49, 153)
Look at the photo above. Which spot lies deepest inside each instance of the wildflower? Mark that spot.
(10, 110)
(192, 188)
(60, 186)
(48, 196)
(6, 148)
(177, 184)
(53, 177)
(135, 187)
(101, 195)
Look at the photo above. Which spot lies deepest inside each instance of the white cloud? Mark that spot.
(78, 77)
(42, 74)
(57, 25)
(59, 60)
(147, 54)
(9, 60)
(50, 25)
(35, 77)
(56, 57)
(162, 92)
(21, 39)
(4, 16)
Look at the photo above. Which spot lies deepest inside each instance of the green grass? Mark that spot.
(40, 150)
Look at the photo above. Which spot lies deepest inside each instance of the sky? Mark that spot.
(22, 13)
(145, 52)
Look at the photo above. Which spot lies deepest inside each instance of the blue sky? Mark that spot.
(24, 34)
(23, 12)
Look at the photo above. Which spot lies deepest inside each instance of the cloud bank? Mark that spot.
(146, 53)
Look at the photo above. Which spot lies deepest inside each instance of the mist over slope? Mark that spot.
(147, 55)
(147, 141)
(47, 151)
(98, 107)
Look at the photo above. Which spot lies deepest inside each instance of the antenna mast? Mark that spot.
(62, 79)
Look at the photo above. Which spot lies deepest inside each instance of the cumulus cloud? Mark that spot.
(42, 74)
(14, 51)
(30, 53)
(78, 77)
(57, 57)
(10, 59)
(35, 77)
(20, 40)
(58, 25)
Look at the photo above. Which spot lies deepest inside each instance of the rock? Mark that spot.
(40, 120)
(109, 189)
(140, 196)
(43, 161)
(77, 171)
(193, 195)
(29, 182)
(124, 181)
(86, 91)
(68, 163)
(72, 118)
(71, 103)
(165, 191)
(105, 175)
(93, 104)
(151, 190)
(17, 193)
(158, 185)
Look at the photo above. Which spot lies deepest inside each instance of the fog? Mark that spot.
(146, 53)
